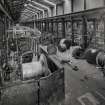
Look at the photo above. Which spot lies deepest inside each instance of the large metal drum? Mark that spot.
(35, 69)
(31, 70)
(100, 59)
(91, 54)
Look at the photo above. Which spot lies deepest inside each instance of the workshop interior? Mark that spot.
(52, 52)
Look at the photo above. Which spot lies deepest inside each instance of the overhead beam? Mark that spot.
(41, 6)
(41, 10)
(28, 18)
(30, 11)
(56, 1)
(33, 7)
(25, 15)
(50, 2)
(28, 14)
(36, 7)
(33, 13)
(30, 7)
(45, 2)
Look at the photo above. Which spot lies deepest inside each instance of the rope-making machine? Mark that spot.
(31, 76)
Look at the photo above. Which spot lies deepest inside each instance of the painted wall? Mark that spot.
(78, 5)
(94, 3)
(59, 9)
(49, 12)
(67, 6)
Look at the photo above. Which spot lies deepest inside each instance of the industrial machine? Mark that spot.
(31, 77)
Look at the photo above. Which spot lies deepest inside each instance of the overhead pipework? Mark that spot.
(38, 6)
(33, 6)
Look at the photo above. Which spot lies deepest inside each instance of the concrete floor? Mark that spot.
(85, 86)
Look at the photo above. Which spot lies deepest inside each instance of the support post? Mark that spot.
(48, 26)
(45, 26)
(94, 24)
(104, 33)
(52, 26)
(34, 23)
(72, 37)
(84, 32)
(57, 30)
(41, 26)
(63, 28)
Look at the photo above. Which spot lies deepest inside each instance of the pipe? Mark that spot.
(1, 7)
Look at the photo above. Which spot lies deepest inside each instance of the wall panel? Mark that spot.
(94, 4)
(78, 5)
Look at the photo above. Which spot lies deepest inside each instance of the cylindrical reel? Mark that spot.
(35, 69)
(91, 54)
(100, 59)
